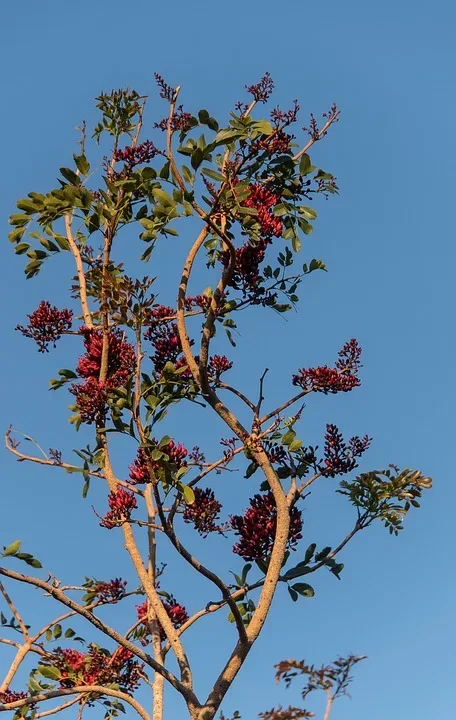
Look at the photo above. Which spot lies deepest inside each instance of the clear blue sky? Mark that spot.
(388, 241)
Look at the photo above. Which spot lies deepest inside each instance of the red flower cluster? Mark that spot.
(137, 155)
(176, 613)
(276, 453)
(92, 396)
(10, 696)
(202, 301)
(121, 357)
(166, 91)
(203, 512)
(257, 528)
(262, 199)
(164, 337)
(97, 667)
(278, 144)
(339, 455)
(180, 121)
(121, 504)
(91, 399)
(139, 469)
(262, 90)
(46, 325)
(245, 275)
(111, 591)
(217, 365)
(342, 378)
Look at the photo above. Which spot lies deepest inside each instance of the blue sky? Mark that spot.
(388, 244)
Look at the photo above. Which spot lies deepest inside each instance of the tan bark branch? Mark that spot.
(321, 133)
(57, 594)
(57, 709)
(82, 690)
(80, 271)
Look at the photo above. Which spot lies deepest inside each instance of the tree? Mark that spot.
(248, 187)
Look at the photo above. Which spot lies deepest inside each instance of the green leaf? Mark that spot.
(21, 248)
(293, 594)
(308, 212)
(309, 553)
(203, 117)
(304, 589)
(69, 374)
(225, 137)
(187, 175)
(50, 672)
(27, 205)
(299, 570)
(17, 234)
(322, 554)
(288, 438)
(263, 126)
(12, 549)
(196, 158)
(57, 631)
(305, 165)
(189, 495)
(252, 468)
(85, 488)
(70, 175)
(69, 633)
(213, 174)
(82, 164)
(317, 265)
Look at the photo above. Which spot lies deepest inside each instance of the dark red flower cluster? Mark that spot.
(263, 199)
(197, 457)
(137, 154)
(262, 90)
(245, 274)
(278, 144)
(163, 336)
(46, 325)
(9, 696)
(121, 504)
(342, 378)
(121, 357)
(180, 121)
(217, 365)
(176, 613)
(276, 453)
(139, 469)
(257, 528)
(201, 301)
(340, 457)
(285, 117)
(166, 91)
(203, 512)
(111, 591)
(92, 396)
(91, 399)
(97, 667)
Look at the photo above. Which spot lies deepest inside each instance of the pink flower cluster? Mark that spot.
(257, 528)
(121, 504)
(139, 469)
(342, 378)
(46, 325)
(176, 613)
(97, 667)
(91, 397)
(340, 457)
(203, 512)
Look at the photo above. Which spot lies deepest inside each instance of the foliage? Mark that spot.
(251, 186)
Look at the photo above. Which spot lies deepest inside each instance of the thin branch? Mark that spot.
(321, 133)
(57, 709)
(14, 610)
(80, 270)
